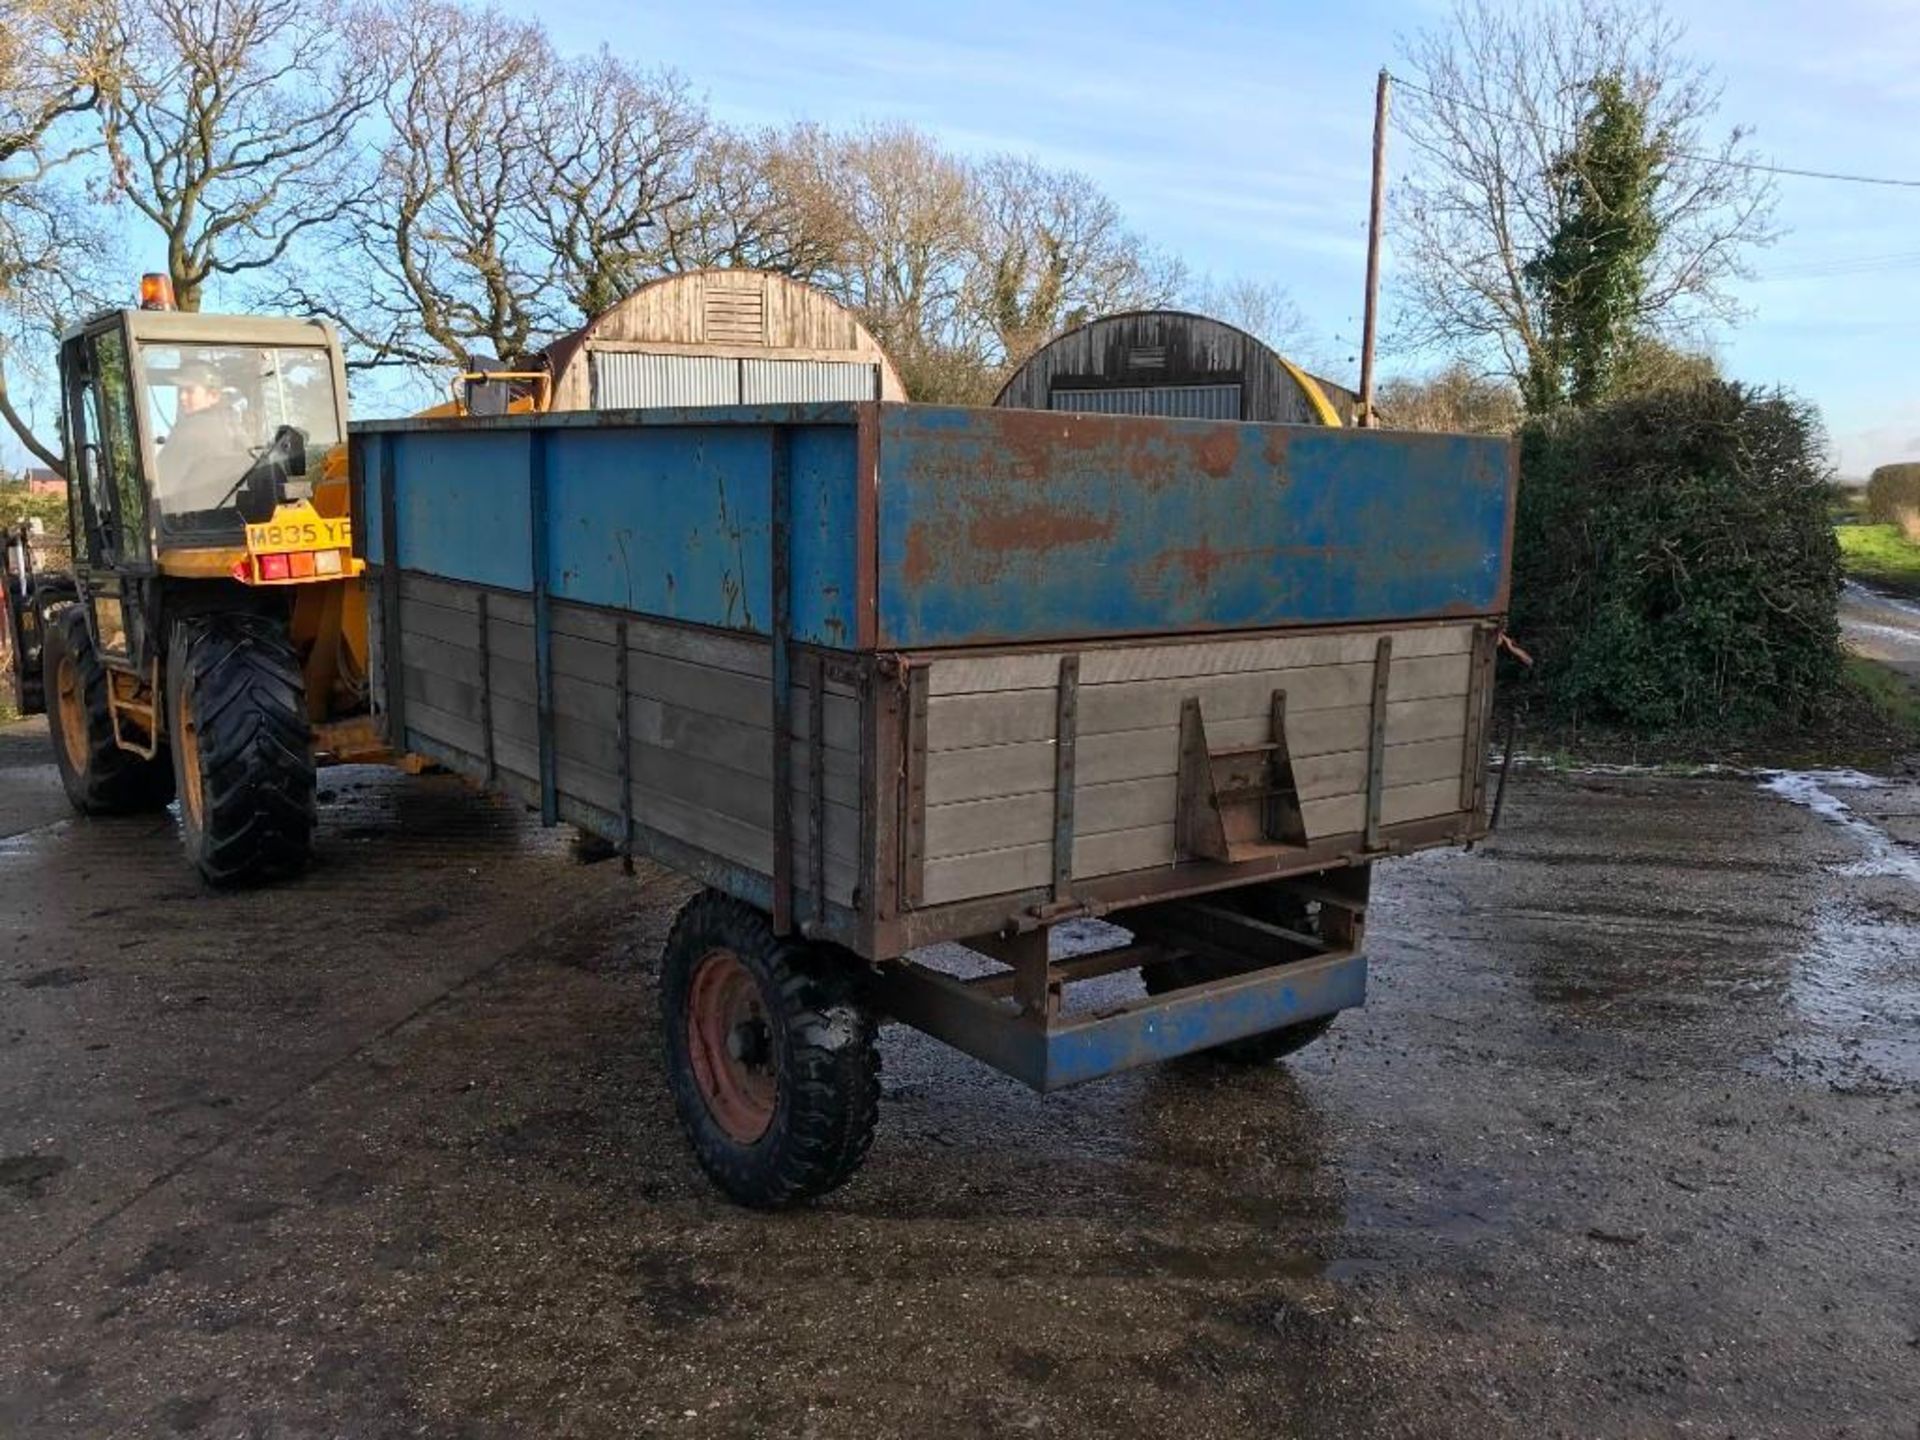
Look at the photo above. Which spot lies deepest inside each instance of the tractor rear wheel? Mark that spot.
(770, 1056)
(99, 777)
(242, 748)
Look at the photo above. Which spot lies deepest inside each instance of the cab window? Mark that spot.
(120, 445)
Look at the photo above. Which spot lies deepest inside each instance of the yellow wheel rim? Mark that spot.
(72, 709)
(186, 744)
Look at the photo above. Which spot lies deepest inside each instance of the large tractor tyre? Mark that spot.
(1180, 971)
(29, 624)
(771, 1059)
(242, 749)
(14, 689)
(100, 778)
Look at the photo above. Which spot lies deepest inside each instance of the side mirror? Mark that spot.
(289, 449)
(265, 485)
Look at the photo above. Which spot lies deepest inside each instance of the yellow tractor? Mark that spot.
(211, 642)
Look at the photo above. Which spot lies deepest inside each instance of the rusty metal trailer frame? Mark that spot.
(1238, 816)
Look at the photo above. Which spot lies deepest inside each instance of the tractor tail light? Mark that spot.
(327, 562)
(274, 567)
(302, 562)
(243, 571)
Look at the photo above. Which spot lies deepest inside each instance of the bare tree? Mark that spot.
(764, 199)
(230, 126)
(52, 58)
(1489, 105)
(1456, 399)
(1264, 309)
(1052, 251)
(437, 260)
(616, 153)
(911, 216)
(517, 193)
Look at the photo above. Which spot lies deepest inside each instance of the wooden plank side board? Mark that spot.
(990, 766)
(997, 872)
(954, 776)
(1116, 852)
(1122, 664)
(1325, 782)
(699, 717)
(960, 722)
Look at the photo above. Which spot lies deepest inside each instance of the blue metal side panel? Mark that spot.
(825, 535)
(672, 521)
(1185, 1025)
(460, 505)
(999, 525)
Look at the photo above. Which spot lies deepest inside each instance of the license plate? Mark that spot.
(315, 533)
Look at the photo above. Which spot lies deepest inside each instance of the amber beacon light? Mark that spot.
(156, 292)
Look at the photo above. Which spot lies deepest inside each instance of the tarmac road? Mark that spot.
(1881, 627)
(1626, 1142)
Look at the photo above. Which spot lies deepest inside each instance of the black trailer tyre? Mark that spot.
(242, 748)
(99, 777)
(769, 1054)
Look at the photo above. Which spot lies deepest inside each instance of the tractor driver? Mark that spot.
(207, 451)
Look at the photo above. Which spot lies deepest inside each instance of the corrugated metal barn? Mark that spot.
(1172, 362)
(720, 337)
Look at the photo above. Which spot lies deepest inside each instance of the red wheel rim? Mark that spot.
(730, 1042)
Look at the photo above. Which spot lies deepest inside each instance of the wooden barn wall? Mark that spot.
(1195, 351)
(730, 313)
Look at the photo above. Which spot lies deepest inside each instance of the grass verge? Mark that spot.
(1881, 556)
(1872, 724)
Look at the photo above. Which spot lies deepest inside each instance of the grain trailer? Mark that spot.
(881, 676)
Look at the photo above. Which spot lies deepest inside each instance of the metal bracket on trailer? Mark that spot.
(974, 1018)
(1268, 976)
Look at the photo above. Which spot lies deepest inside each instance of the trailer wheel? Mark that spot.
(99, 777)
(770, 1057)
(242, 748)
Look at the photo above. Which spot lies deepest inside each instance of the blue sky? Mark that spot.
(1238, 135)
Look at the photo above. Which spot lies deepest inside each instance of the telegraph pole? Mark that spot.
(1373, 248)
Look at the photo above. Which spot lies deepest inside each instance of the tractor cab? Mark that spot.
(186, 432)
(213, 643)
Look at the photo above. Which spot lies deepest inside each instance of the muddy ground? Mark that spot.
(1626, 1142)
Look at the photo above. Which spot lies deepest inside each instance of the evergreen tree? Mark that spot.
(1591, 276)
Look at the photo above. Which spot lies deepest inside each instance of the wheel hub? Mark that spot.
(186, 740)
(72, 704)
(730, 1043)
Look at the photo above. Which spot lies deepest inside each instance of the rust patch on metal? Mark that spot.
(1216, 452)
(1273, 451)
(1037, 527)
(918, 562)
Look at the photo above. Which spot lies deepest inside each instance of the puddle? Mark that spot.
(1857, 594)
(1819, 791)
(1856, 985)
(1856, 988)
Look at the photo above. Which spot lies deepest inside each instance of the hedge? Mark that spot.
(1893, 498)
(1674, 565)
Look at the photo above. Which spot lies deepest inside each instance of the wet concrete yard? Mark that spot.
(1626, 1142)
